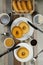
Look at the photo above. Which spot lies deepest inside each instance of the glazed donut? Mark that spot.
(24, 6)
(29, 5)
(14, 4)
(17, 32)
(25, 27)
(19, 6)
(22, 52)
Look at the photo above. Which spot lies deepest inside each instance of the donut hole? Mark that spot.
(24, 27)
(23, 53)
(17, 32)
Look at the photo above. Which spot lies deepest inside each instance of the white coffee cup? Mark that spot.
(38, 18)
(12, 44)
(4, 18)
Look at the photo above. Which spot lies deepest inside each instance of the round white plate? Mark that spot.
(29, 47)
(16, 23)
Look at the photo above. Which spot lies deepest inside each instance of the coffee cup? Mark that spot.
(38, 19)
(8, 42)
(4, 18)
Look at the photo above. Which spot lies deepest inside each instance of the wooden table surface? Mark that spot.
(9, 57)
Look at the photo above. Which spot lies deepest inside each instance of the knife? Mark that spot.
(9, 50)
(35, 27)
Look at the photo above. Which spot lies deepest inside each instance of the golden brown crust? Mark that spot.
(29, 5)
(17, 32)
(14, 5)
(22, 52)
(19, 6)
(23, 3)
(22, 6)
(25, 27)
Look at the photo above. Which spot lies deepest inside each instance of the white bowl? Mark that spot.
(38, 19)
(5, 18)
(16, 23)
(30, 56)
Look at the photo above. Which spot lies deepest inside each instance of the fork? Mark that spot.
(37, 55)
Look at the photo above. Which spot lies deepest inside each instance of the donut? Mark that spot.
(17, 32)
(23, 3)
(22, 52)
(25, 27)
(19, 6)
(29, 5)
(14, 5)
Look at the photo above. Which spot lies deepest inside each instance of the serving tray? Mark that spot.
(33, 7)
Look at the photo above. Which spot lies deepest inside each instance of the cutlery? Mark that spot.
(9, 50)
(35, 27)
(37, 55)
(6, 34)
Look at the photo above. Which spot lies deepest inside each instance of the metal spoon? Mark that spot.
(37, 55)
(5, 34)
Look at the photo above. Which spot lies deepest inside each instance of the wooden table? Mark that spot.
(9, 59)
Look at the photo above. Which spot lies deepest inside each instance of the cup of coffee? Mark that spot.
(8, 42)
(4, 18)
(38, 19)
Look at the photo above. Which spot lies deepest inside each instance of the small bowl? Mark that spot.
(38, 19)
(5, 43)
(5, 18)
(30, 49)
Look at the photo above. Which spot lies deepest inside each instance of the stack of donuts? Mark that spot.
(22, 6)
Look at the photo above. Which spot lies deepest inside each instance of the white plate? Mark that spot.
(17, 21)
(29, 47)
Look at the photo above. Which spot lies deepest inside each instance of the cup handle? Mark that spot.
(0, 21)
(9, 24)
(35, 13)
(9, 14)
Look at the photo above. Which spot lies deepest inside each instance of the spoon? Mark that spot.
(37, 55)
(34, 43)
(5, 34)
